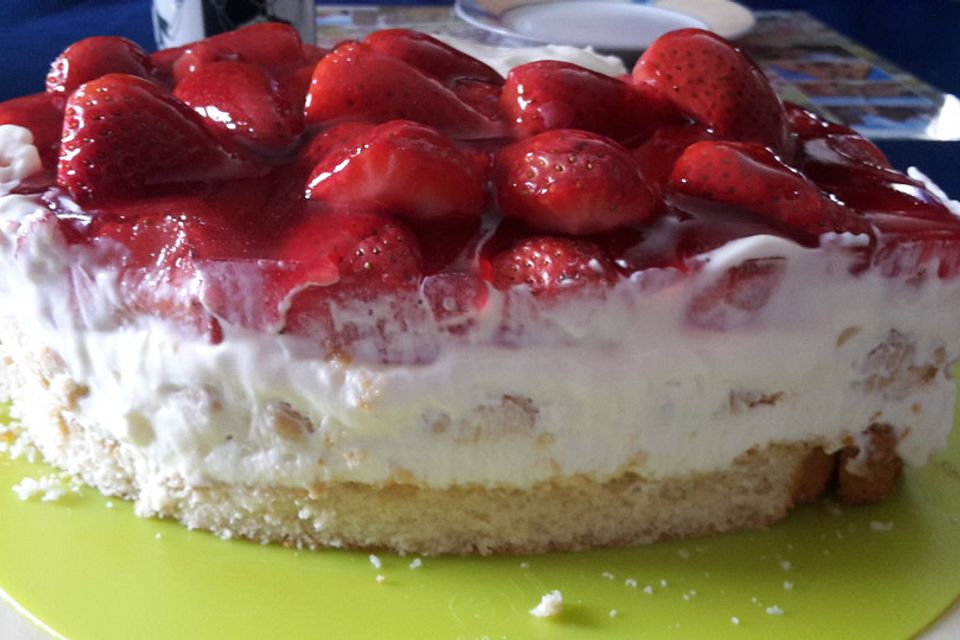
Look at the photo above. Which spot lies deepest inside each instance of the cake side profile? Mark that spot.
(553, 311)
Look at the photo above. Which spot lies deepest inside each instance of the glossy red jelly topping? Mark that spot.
(399, 165)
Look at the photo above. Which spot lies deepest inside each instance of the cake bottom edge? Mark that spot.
(564, 513)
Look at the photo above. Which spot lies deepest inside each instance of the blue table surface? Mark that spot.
(922, 36)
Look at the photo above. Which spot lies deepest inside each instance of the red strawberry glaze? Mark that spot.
(404, 192)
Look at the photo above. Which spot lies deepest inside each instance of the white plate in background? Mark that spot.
(607, 24)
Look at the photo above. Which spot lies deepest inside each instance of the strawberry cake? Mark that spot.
(384, 296)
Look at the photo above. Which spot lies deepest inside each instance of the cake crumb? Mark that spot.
(774, 610)
(551, 604)
(881, 526)
(381, 578)
(686, 596)
(608, 575)
(786, 565)
(524, 565)
(49, 488)
(735, 620)
(663, 583)
(109, 504)
(416, 563)
(157, 535)
(613, 613)
(787, 585)
(376, 562)
(683, 553)
(630, 582)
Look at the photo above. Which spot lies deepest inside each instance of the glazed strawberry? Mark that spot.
(297, 82)
(748, 176)
(346, 258)
(156, 258)
(370, 253)
(274, 47)
(711, 80)
(549, 94)
(240, 102)
(355, 82)
(45, 121)
(404, 168)
(736, 296)
(550, 265)
(657, 155)
(472, 81)
(845, 167)
(122, 133)
(570, 181)
(90, 58)
(454, 298)
(431, 56)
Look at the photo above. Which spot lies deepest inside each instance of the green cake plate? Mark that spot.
(88, 569)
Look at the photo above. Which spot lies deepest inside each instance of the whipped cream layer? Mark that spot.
(593, 387)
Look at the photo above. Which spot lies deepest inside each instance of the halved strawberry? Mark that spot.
(736, 296)
(571, 181)
(370, 257)
(90, 58)
(431, 56)
(710, 79)
(404, 168)
(240, 102)
(455, 298)
(156, 258)
(297, 81)
(845, 167)
(37, 113)
(550, 265)
(548, 94)
(122, 133)
(356, 82)
(657, 155)
(924, 251)
(371, 253)
(274, 47)
(748, 176)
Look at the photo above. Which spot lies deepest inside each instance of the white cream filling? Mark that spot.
(592, 389)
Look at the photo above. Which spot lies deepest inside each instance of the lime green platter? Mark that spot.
(87, 568)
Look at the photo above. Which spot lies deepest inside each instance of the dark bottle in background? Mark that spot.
(177, 22)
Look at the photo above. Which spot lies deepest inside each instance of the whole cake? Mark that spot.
(382, 296)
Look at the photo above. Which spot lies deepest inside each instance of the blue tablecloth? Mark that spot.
(923, 36)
